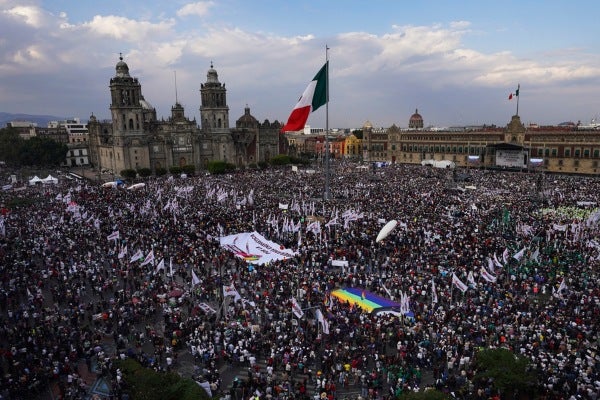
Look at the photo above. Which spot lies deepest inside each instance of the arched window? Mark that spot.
(131, 123)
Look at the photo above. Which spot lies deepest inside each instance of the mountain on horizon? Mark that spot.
(40, 120)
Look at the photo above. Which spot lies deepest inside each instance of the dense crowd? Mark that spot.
(525, 246)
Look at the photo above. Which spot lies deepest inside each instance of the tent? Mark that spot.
(50, 179)
(34, 180)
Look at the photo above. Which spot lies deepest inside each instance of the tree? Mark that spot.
(189, 170)
(147, 384)
(281, 159)
(506, 372)
(128, 173)
(10, 145)
(426, 395)
(160, 171)
(175, 170)
(37, 151)
(219, 167)
(144, 172)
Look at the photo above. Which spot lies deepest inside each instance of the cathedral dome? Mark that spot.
(246, 120)
(368, 125)
(122, 68)
(416, 120)
(211, 75)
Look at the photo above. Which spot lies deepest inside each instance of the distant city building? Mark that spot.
(134, 138)
(25, 129)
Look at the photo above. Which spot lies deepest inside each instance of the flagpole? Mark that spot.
(326, 195)
(518, 96)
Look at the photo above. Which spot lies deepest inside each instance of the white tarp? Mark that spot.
(254, 248)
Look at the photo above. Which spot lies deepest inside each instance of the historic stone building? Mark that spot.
(134, 138)
(562, 149)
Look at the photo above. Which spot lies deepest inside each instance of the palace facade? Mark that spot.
(560, 149)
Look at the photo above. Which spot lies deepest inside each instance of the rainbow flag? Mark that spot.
(362, 298)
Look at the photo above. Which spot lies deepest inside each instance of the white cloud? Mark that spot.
(408, 66)
(126, 29)
(200, 9)
(31, 15)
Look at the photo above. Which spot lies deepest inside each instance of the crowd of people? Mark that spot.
(505, 260)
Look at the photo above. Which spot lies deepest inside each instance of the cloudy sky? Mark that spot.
(456, 61)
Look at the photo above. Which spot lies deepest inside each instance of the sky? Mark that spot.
(454, 61)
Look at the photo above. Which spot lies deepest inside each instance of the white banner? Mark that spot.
(296, 309)
(254, 248)
(459, 284)
(339, 263)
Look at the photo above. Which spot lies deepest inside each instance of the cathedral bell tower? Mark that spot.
(214, 112)
(126, 109)
(129, 111)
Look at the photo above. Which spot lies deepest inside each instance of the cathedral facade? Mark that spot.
(134, 138)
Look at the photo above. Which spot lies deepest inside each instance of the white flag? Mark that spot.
(296, 308)
(207, 309)
(490, 264)
(434, 296)
(195, 279)
(505, 256)
(113, 236)
(561, 289)
(137, 256)
(458, 283)
(161, 265)
(123, 252)
(171, 266)
(149, 258)
(471, 278)
(230, 290)
(486, 275)
(324, 323)
(520, 254)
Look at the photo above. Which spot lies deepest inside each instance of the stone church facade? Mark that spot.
(134, 138)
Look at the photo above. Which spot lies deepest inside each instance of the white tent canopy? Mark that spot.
(34, 180)
(50, 179)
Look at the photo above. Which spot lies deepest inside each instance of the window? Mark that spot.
(567, 152)
(596, 153)
(577, 152)
(586, 153)
(554, 152)
(547, 152)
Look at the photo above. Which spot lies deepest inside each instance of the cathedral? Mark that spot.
(134, 138)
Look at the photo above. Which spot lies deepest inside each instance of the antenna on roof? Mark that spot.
(175, 72)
